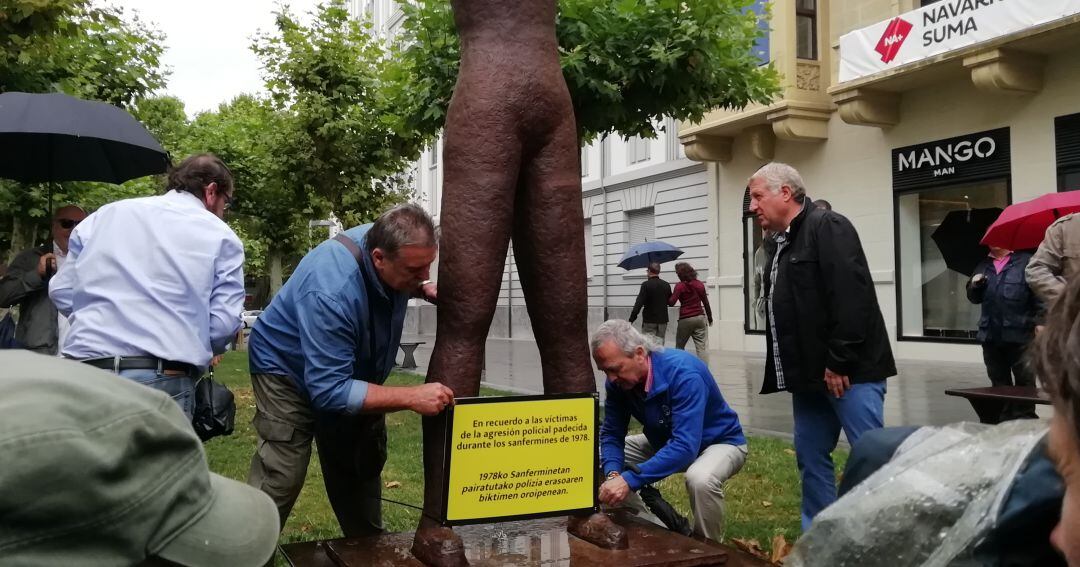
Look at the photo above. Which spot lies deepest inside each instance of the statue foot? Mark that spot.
(599, 530)
(438, 546)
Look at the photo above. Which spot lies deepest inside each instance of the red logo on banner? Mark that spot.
(895, 34)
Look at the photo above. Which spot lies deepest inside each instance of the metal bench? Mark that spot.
(989, 401)
(409, 362)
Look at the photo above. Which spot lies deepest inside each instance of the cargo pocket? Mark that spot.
(270, 429)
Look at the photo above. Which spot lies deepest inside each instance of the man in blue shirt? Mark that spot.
(688, 425)
(319, 355)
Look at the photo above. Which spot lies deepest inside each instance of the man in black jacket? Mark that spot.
(26, 284)
(1010, 312)
(653, 295)
(825, 336)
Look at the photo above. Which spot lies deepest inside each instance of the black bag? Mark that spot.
(215, 409)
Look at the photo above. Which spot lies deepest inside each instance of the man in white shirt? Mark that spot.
(153, 287)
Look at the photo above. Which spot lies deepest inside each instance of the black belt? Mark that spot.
(116, 364)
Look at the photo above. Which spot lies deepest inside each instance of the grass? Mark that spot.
(762, 500)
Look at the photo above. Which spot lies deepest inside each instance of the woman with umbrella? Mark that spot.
(695, 314)
(1010, 312)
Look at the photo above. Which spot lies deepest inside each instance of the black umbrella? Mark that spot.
(45, 138)
(958, 236)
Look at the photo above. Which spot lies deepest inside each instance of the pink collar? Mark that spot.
(648, 379)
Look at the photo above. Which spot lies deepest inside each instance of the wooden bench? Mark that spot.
(989, 401)
(409, 348)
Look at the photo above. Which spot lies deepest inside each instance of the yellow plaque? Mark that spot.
(520, 457)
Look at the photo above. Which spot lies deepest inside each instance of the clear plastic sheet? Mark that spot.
(930, 505)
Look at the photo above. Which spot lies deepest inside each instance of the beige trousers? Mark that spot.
(704, 482)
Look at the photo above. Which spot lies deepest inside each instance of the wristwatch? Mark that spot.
(612, 475)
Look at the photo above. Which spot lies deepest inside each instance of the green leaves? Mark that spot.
(84, 49)
(353, 105)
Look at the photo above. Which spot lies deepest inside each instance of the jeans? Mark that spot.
(181, 388)
(819, 416)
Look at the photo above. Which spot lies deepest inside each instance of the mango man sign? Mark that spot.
(520, 457)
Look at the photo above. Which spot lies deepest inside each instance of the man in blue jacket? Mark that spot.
(1010, 312)
(319, 355)
(688, 425)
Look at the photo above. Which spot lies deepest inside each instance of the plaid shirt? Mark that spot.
(781, 241)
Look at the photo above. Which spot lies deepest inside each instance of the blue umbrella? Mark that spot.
(640, 255)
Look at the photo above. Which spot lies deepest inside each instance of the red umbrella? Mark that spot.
(1023, 225)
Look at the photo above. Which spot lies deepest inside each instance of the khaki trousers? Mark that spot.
(657, 330)
(352, 451)
(698, 328)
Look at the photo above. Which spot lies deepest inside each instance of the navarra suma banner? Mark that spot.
(940, 28)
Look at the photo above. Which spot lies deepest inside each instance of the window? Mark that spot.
(933, 300)
(806, 29)
(754, 257)
(761, 44)
(1069, 179)
(434, 155)
(637, 150)
(588, 249)
(641, 226)
(929, 2)
(585, 162)
(1067, 144)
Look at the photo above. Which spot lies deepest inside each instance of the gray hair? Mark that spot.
(403, 225)
(776, 175)
(624, 335)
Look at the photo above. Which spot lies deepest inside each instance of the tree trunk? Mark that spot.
(261, 293)
(275, 274)
(22, 236)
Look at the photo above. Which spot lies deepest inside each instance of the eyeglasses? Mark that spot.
(68, 224)
(228, 201)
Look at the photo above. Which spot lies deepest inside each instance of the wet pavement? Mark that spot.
(915, 397)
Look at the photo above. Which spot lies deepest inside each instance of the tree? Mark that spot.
(270, 212)
(349, 97)
(90, 51)
(29, 33)
(115, 58)
(165, 118)
(627, 63)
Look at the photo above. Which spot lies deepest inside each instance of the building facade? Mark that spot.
(898, 112)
